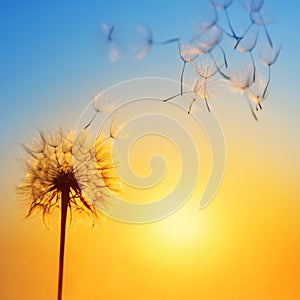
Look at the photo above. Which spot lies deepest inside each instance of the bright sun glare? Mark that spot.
(181, 228)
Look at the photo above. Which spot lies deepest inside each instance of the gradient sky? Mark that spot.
(244, 245)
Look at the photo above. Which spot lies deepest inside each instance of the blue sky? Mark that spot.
(51, 63)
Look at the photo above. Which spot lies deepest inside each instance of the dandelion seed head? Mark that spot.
(60, 163)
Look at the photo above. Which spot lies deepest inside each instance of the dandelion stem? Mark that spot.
(224, 55)
(173, 40)
(230, 25)
(64, 208)
(181, 78)
(266, 30)
(190, 107)
(217, 67)
(252, 111)
(90, 122)
(254, 66)
(172, 97)
(268, 82)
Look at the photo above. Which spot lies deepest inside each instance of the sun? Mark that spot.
(183, 228)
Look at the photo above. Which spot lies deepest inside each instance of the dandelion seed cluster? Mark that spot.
(59, 163)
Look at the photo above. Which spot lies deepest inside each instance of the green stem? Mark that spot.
(64, 209)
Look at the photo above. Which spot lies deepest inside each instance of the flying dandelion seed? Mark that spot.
(205, 21)
(102, 103)
(109, 42)
(253, 5)
(257, 17)
(223, 5)
(188, 53)
(143, 41)
(241, 81)
(247, 45)
(256, 91)
(200, 91)
(209, 41)
(268, 56)
(205, 71)
(69, 174)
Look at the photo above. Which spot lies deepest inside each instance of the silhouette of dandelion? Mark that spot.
(68, 173)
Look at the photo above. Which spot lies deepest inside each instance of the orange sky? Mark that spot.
(244, 245)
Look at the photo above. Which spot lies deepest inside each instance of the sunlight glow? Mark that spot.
(181, 228)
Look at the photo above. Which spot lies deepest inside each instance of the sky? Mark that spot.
(244, 245)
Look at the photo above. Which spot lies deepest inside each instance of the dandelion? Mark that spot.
(70, 174)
